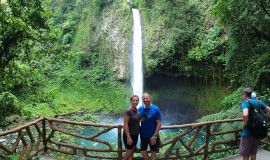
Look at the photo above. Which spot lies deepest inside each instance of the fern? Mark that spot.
(232, 108)
(213, 117)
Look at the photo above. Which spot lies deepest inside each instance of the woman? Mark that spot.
(131, 127)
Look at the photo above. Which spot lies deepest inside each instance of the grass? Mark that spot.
(71, 92)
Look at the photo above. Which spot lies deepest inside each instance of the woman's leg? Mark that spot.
(130, 148)
(131, 157)
(129, 154)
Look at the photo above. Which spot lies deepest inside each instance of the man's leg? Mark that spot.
(145, 155)
(255, 147)
(144, 145)
(253, 157)
(245, 147)
(245, 158)
(154, 149)
(153, 155)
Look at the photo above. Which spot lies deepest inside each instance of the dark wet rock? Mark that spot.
(13, 119)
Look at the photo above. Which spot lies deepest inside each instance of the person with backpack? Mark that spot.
(255, 125)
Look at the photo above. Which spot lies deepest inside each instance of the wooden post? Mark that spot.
(207, 142)
(44, 135)
(177, 152)
(236, 136)
(119, 143)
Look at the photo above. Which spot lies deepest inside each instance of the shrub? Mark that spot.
(9, 104)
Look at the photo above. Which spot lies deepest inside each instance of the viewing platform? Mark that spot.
(48, 158)
(184, 141)
(261, 155)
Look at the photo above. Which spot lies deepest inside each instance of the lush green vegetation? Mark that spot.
(56, 58)
(72, 55)
(89, 82)
(177, 39)
(28, 44)
(220, 42)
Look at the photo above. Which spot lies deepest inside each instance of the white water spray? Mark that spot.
(137, 65)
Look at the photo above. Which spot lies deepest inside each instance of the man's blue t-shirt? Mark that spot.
(148, 120)
(246, 132)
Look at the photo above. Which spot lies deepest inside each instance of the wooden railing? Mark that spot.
(28, 150)
(39, 135)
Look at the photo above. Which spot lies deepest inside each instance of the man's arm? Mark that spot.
(267, 111)
(158, 127)
(245, 116)
(153, 139)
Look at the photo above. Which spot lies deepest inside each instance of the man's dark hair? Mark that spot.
(247, 91)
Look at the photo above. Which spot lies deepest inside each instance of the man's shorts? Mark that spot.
(248, 146)
(146, 141)
(134, 139)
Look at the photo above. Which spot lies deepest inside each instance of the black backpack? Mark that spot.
(259, 122)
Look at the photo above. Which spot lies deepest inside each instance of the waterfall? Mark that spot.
(137, 64)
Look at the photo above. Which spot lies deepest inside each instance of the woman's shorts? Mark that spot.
(134, 139)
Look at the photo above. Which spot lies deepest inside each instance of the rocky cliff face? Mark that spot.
(105, 37)
(117, 28)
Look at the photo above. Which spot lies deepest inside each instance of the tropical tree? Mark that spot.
(249, 38)
(26, 38)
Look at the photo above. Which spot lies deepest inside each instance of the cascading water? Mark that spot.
(174, 110)
(137, 65)
(136, 82)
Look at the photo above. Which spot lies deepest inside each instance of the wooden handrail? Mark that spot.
(21, 127)
(200, 124)
(30, 147)
(25, 146)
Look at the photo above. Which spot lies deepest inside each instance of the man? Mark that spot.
(150, 126)
(249, 145)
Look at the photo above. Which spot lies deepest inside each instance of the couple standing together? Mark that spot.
(150, 117)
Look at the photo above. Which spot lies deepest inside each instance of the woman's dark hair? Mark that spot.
(133, 96)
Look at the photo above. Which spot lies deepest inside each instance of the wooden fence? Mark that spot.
(38, 136)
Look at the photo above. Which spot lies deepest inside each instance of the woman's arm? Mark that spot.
(126, 120)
